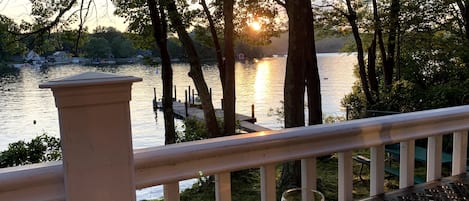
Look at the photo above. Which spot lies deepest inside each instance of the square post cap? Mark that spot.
(89, 79)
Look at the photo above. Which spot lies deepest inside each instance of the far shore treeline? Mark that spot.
(110, 43)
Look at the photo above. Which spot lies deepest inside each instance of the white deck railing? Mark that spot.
(166, 165)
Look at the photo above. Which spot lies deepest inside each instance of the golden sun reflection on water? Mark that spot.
(262, 81)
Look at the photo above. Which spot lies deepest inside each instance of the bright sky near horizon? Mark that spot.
(101, 14)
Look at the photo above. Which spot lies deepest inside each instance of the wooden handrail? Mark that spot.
(159, 165)
(172, 163)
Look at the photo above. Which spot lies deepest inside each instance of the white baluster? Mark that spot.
(345, 176)
(434, 150)
(171, 191)
(223, 187)
(268, 185)
(377, 170)
(459, 152)
(308, 177)
(407, 164)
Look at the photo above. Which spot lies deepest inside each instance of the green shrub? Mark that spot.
(7, 70)
(40, 149)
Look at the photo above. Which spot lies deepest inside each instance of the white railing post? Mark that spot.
(407, 164)
(345, 176)
(268, 184)
(223, 186)
(96, 139)
(377, 170)
(308, 178)
(171, 192)
(434, 149)
(459, 152)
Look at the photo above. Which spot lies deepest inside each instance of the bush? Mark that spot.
(40, 149)
(8, 70)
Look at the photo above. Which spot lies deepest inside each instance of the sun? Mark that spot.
(256, 26)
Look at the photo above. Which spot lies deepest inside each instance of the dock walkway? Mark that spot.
(246, 123)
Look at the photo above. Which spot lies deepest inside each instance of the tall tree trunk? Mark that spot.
(195, 71)
(464, 10)
(463, 6)
(229, 95)
(390, 61)
(372, 67)
(377, 39)
(294, 86)
(379, 31)
(216, 44)
(313, 84)
(352, 17)
(159, 25)
(299, 59)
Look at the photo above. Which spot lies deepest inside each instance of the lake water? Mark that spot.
(260, 83)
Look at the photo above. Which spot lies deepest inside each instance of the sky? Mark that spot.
(101, 15)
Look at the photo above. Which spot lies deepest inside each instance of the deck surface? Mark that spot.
(449, 188)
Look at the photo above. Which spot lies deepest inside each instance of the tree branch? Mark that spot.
(52, 24)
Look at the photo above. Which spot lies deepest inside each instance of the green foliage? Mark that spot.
(194, 130)
(6, 70)
(356, 102)
(8, 44)
(333, 119)
(431, 65)
(108, 42)
(245, 186)
(122, 47)
(98, 48)
(40, 149)
(68, 39)
(401, 97)
(278, 112)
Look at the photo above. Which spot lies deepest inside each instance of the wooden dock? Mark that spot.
(246, 123)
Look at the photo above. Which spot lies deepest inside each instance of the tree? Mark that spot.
(8, 44)
(121, 47)
(196, 69)
(158, 19)
(216, 44)
(81, 24)
(68, 40)
(301, 70)
(229, 101)
(423, 62)
(98, 48)
(351, 16)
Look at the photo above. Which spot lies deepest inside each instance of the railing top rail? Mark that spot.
(159, 165)
(255, 149)
(42, 181)
(21, 176)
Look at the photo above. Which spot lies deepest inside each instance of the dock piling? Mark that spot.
(189, 96)
(193, 97)
(175, 94)
(252, 111)
(155, 105)
(185, 104)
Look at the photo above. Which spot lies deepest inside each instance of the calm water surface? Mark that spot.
(261, 84)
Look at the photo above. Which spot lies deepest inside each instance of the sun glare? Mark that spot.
(256, 26)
